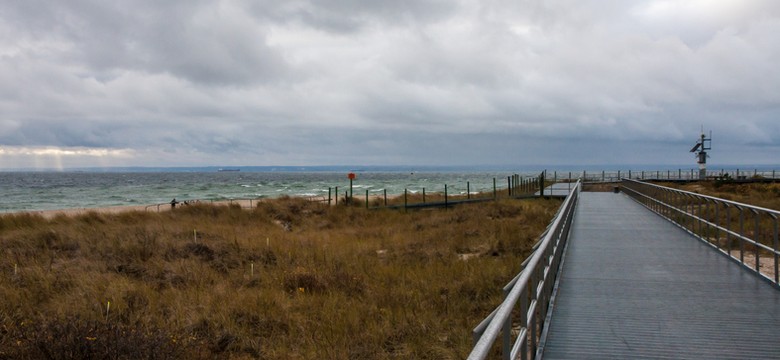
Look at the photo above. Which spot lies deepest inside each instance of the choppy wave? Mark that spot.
(22, 191)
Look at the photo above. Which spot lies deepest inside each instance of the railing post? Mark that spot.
(717, 224)
(524, 324)
(385, 191)
(468, 190)
(509, 186)
(495, 194)
(329, 189)
(406, 197)
(423, 195)
(741, 235)
(366, 198)
(776, 249)
(757, 235)
(533, 317)
(506, 339)
(337, 195)
(698, 215)
(728, 222)
(445, 196)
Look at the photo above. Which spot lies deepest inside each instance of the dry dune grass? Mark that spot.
(765, 195)
(288, 279)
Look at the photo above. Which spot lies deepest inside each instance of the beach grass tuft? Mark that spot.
(289, 278)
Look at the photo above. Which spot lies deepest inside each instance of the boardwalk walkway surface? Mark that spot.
(557, 189)
(633, 285)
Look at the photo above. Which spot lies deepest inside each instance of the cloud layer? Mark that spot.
(402, 82)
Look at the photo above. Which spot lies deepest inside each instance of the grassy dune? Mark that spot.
(288, 279)
(765, 195)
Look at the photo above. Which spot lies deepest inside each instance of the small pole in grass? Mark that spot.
(16, 270)
(423, 195)
(108, 307)
(366, 198)
(195, 235)
(267, 242)
(252, 270)
(445, 196)
(385, 191)
(468, 190)
(406, 192)
(351, 177)
(494, 189)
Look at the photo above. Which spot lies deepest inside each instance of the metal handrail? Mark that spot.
(532, 289)
(711, 220)
(679, 174)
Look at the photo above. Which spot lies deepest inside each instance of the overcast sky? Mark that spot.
(402, 82)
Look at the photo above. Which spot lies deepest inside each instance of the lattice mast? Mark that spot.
(702, 145)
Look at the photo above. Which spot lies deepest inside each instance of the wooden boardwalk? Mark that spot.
(633, 285)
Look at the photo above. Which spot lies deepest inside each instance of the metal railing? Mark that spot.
(528, 294)
(673, 175)
(748, 234)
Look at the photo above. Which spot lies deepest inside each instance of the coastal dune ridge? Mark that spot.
(243, 203)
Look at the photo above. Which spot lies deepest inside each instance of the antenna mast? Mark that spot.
(702, 145)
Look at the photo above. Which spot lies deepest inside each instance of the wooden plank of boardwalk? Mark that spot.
(633, 285)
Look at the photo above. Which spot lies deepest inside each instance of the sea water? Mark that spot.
(32, 191)
(92, 188)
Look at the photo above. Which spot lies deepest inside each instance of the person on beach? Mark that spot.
(173, 203)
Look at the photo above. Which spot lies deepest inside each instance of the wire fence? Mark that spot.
(513, 186)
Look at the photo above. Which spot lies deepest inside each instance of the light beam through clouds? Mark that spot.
(59, 158)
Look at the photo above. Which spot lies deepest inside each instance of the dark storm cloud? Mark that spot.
(201, 42)
(350, 16)
(348, 81)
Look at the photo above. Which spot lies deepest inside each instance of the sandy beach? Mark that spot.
(244, 203)
(48, 214)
